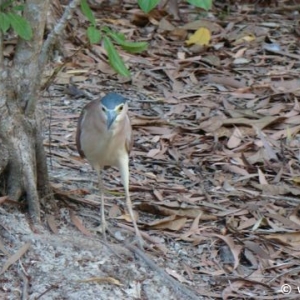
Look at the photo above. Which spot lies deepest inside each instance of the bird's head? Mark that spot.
(113, 109)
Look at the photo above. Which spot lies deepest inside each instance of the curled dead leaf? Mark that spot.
(173, 223)
(102, 280)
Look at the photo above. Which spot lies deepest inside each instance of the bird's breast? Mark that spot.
(102, 149)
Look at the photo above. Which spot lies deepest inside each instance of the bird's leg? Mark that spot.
(124, 170)
(101, 190)
(129, 207)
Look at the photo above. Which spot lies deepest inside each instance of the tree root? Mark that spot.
(25, 170)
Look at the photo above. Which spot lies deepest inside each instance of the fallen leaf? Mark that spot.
(12, 259)
(177, 276)
(235, 139)
(291, 239)
(51, 223)
(173, 223)
(110, 280)
(235, 249)
(201, 37)
(78, 223)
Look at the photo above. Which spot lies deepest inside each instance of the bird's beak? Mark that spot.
(111, 116)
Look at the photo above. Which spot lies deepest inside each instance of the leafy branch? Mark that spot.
(109, 39)
(147, 5)
(9, 17)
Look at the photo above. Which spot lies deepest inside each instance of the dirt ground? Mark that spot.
(214, 167)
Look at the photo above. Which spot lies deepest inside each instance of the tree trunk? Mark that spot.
(23, 167)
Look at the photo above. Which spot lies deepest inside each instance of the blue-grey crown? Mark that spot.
(111, 100)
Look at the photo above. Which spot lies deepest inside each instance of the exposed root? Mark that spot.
(25, 174)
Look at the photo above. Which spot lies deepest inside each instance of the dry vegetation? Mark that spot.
(214, 172)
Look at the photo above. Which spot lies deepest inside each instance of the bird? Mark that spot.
(104, 137)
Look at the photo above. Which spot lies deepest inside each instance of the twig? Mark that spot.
(180, 290)
(145, 236)
(25, 283)
(52, 286)
(57, 30)
(1, 51)
(284, 198)
(290, 272)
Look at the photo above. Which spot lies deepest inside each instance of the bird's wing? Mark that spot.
(90, 107)
(78, 133)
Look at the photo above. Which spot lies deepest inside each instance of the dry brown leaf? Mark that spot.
(2, 248)
(102, 280)
(260, 123)
(178, 34)
(232, 290)
(158, 195)
(3, 199)
(269, 150)
(287, 86)
(153, 152)
(189, 271)
(255, 248)
(295, 215)
(52, 224)
(212, 26)
(261, 177)
(281, 189)
(177, 276)
(235, 139)
(165, 25)
(287, 223)
(227, 81)
(291, 239)
(12, 259)
(235, 249)
(194, 228)
(173, 223)
(212, 124)
(174, 209)
(127, 217)
(236, 170)
(114, 211)
(147, 121)
(77, 222)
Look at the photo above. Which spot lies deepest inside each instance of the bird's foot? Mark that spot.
(102, 229)
(140, 242)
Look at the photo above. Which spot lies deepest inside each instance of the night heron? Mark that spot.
(104, 138)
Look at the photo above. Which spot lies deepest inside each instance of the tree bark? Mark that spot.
(23, 166)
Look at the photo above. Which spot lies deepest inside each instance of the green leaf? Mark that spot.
(94, 35)
(147, 5)
(6, 4)
(87, 12)
(205, 4)
(132, 47)
(18, 7)
(114, 58)
(21, 26)
(117, 36)
(4, 22)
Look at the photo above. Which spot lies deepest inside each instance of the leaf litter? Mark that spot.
(214, 165)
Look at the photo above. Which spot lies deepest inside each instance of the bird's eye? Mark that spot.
(103, 109)
(120, 108)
